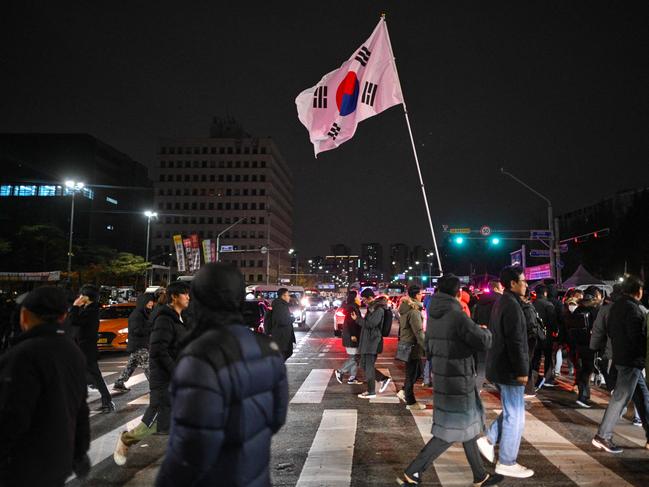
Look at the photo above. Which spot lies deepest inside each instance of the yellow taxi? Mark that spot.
(113, 327)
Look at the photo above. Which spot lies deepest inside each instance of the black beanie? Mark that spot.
(219, 287)
(46, 301)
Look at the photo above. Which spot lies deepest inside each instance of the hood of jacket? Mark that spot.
(164, 310)
(142, 300)
(407, 304)
(380, 302)
(441, 304)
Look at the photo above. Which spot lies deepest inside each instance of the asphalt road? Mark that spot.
(332, 438)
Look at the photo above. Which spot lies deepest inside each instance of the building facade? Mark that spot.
(205, 185)
(372, 261)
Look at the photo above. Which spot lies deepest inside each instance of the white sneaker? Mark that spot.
(486, 449)
(401, 395)
(416, 406)
(384, 384)
(367, 395)
(121, 450)
(516, 470)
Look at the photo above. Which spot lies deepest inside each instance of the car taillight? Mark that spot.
(340, 314)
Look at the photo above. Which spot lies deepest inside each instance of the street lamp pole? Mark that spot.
(149, 215)
(554, 243)
(74, 187)
(218, 237)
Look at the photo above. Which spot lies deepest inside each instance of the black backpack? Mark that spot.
(387, 322)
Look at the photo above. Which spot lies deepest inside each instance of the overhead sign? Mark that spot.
(538, 234)
(263, 250)
(485, 231)
(517, 257)
(284, 281)
(460, 230)
(540, 253)
(227, 248)
(538, 272)
(401, 276)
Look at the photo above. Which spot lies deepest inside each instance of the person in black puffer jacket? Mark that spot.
(139, 331)
(84, 316)
(229, 392)
(351, 333)
(167, 336)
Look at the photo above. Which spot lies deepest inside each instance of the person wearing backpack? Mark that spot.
(371, 340)
(579, 327)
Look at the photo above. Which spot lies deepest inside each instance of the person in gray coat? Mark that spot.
(452, 339)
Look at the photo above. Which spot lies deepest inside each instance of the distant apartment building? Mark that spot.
(203, 185)
(342, 267)
(372, 260)
(398, 258)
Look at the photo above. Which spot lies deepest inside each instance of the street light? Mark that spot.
(554, 247)
(218, 237)
(297, 263)
(73, 186)
(149, 214)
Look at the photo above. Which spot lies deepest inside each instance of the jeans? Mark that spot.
(412, 372)
(507, 429)
(371, 374)
(435, 447)
(558, 361)
(351, 364)
(630, 383)
(139, 358)
(428, 373)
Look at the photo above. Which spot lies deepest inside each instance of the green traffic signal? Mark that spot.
(495, 241)
(458, 240)
(424, 278)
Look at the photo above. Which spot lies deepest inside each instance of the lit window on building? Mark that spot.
(6, 190)
(49, 190)
(25, 191)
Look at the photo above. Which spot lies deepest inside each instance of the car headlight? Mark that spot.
(123, 330)
(305, 302)
(297, 314)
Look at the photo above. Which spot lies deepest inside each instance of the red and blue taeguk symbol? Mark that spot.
(347, 94)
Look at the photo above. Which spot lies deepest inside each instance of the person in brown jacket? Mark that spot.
(411, 331)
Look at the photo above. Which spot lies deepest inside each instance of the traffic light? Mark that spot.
(424, 278)
(458, 240)
(494, 241)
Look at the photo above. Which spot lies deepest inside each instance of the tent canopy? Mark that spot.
(581, 277)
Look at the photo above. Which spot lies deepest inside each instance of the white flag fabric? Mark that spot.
(364, 86)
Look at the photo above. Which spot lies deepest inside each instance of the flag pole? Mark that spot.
(414, 148)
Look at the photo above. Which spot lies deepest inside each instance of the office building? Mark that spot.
(372, 261)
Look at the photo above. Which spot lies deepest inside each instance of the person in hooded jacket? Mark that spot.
(167, 335)
(351, 334)
(44, 428)
(481, 314)
(535, 334)
(139, 331)
(411, 331)
(229, 392)
(84, 316)
(371, 341)
(452, 339)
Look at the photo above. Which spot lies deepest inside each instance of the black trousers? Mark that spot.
(371, 374)
(435, 447)
(412, 373)
(532, 372)
(93, 372)
(586, 360)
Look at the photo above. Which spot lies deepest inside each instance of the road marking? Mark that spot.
(573, 462)
(390, 396)
(625, 431)
(122, 362)
(313, 388)
(143, 399)
(296, 363)
(93, 394)
(451, 467)
(103, 447)
(331, 456)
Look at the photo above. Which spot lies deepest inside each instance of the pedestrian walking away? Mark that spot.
(167, 335)
(43, 410)
(411, 333)
(280, 324)
(452, 339)
(371, 341)
(139, 332)
(239, 380)
(481, 314)
(508, 368)
(350, 337)
(627, 328)
(84, 317)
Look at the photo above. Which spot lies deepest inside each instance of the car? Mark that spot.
(113, 327)
(339, 319)
(315, 303)
(298, 311)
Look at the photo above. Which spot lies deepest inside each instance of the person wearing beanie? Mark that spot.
(44, 427)
(229, 391)
(168, 333)
(84, 316)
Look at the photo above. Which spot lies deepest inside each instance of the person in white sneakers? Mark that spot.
(508, 368)
(452, 340)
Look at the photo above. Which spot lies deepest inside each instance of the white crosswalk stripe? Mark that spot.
(313, 388)
(330, 459)
(93, 394)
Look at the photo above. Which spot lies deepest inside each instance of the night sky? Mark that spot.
(557, 92)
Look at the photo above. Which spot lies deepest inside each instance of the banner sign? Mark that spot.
(207, 251)
(180, 252)
(30, 276)
(538, 272)
(195, 262)
(187, 243)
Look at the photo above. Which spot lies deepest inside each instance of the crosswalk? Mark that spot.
(325, 440)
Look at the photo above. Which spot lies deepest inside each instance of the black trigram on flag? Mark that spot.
(363, 55)
(334, 131)
(320, 97)
(369, 93)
